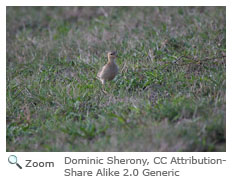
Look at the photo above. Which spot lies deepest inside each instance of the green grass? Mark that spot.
(170, 94)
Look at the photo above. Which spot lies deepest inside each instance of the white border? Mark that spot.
(3, 79)
(116, 3)
(193, 175)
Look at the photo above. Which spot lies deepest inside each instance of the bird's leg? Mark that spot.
(103, 82)
(103, 85)
(104, 91)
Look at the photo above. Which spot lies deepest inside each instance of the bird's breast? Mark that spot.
(109, 71)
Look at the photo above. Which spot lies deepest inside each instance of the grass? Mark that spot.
(170, 94)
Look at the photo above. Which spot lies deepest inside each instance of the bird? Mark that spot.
(110, 70)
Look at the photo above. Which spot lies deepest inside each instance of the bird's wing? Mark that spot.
(99, 74)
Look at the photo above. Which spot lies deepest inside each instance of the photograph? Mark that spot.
(115, 79)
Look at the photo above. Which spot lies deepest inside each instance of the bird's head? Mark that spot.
(111, 55)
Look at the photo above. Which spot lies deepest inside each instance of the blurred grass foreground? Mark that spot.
(170, 94)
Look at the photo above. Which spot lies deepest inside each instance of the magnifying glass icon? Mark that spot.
(12, 159)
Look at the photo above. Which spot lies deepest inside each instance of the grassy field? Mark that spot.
(170, 94)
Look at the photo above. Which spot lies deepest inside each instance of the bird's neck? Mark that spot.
(111, 60)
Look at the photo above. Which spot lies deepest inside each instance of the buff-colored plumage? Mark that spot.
(110, 70)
